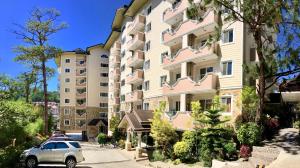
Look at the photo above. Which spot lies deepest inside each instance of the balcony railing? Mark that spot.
(208, 24)
(134, 96)
(79, 105)
(78, 73)
(137, 25)
(186, 85)
(136, 77)
(171, 15)
(137, 41)
(188, 54)
(80, 82)
(136, 59)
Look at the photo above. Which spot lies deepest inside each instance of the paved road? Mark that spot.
(97, 157)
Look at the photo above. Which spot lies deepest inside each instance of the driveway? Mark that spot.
(104, 157)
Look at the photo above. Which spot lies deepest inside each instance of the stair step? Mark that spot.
(265, 149)
(265, 156)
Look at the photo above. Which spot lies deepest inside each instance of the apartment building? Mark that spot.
(158, 54)
(83, 76)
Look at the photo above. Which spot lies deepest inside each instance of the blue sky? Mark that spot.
(89, 23)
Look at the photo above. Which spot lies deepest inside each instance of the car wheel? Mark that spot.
(31, 162)
(70, 162)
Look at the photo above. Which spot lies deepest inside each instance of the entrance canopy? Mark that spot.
(137, 121)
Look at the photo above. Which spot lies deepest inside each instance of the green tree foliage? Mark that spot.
(37, 51)
(102, 139)
(162, 131)
(249, 104)
(249, 134)
(182, 150)
(38, 96)
(10, 89)
(263, 19)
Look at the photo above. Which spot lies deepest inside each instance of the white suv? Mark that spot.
(66, 152)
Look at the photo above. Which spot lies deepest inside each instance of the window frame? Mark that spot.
(66, 101)
(67, 60)
(231, 103)
(68, 121)
(222, 68)
(146, 85)
(223, 35)
(161, 81)
(67, 111)
(67, 70)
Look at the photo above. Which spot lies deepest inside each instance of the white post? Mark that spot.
(139, 139)
(183, 102)
(185, 41)
(128, 136)
(183, 69)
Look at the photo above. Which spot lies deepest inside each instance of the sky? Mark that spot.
(89, 22)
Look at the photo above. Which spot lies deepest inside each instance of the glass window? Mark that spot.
(103, 105)
(104, 74)
(61, 145)
(122, 98)
(123, 82)
(104, 56)
(67, 100)
(81, 62)
(178, 76)
(67, 90)
(149, 9)
(67, 70)
(163, 79)
(148, 27)
(146, 85)
(50, 145)
(226, 101)
(68, 60)
(147, 65)
(146, 106)
(67, 80)
(147, 46)
(103, 94)
(75, 144)
(67, 111)
(227, 68)
(177, 106)
(252, 54)
(104, 84)
(206, 104)
(104, 65)
(122, 68)
(227, 36)
(67, 122)
(204, 71)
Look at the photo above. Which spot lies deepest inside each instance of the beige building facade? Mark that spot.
(158, 54)
(83, 76)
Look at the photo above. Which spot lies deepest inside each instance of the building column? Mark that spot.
(138, 151)
(185, 41)
(128, 143)
(183, 69)
(183, 102)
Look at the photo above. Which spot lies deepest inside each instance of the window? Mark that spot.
(147, 46)
(103, 115)
(75, 144)
(146, 106)
(148, 27)
(61, 145)
(206, 104)
(204, 71)
(177, 107)
(81, 62)
(50, 145)
(162, 56)
(81, 71)
(67, 100)
(226, 101)
(227, 36)
(104, 56)
(178, 76)
(163, 79)
(68, 60)
(67, 90)
(66, 122)
(104, 84)
(104, 65)
(123, 54)
(122, 68)
(149, 9)
(147, 65)
(103, 94)
(66, 111)
(146, 85)
(139, 107)
(252, 54)
(123, 28)
(104, 74)
(103, 105)
(80, 112)
(227, 68)
(67, 80)
(67, 70)
(122, 98)
(122, 82)
(123, 40)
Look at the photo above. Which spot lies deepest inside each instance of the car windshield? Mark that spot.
(75, 144)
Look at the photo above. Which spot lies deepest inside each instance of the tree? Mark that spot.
(27, 79)
(263, 19)
(249, 104)
(10, 89)
(36, 34)
(162, 131)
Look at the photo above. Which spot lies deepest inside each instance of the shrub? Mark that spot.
(181, 150)
(230, 150)
(102, 139)
(296, 124)
(9, 156)
(245, 151)
(176, 161)
(249, 134)
(121, 143)
(158, 156)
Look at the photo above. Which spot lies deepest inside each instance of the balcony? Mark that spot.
(136, 77)
(136, 60)
(81, 82)
(188, 54)
(198, 28)
(81, 95)
(116, 101)
(137, 41)
(137, 25)
(207, 84)
(175, 14)
(79, 105)
(80, 72)
(134, 96)
(80, 113)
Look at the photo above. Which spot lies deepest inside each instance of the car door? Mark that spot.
(46, 153)
(61, 148)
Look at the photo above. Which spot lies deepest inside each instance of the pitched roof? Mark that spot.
(138, 120)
